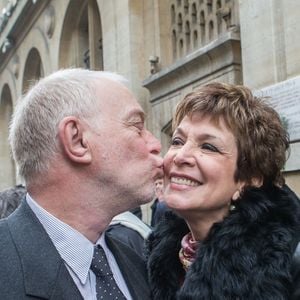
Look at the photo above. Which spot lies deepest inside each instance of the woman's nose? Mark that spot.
(184, 155)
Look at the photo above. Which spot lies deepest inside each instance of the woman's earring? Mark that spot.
(232, 207)
(235, 197)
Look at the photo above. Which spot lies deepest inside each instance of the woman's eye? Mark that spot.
(176, 141)
(209, 147)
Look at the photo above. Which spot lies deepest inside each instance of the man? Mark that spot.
(79, 141)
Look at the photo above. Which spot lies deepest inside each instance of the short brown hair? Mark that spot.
(261, 138)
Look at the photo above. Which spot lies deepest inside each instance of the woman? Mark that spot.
(236, 225)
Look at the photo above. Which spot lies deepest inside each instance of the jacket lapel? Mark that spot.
(44, 272)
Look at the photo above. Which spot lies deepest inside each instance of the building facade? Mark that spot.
(165, 48)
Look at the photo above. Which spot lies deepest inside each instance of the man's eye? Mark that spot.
(139, 125)
(209, 147)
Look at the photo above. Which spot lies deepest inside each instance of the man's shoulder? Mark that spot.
(6, 225)
(4, 231)
(9, 258)
(9, 229)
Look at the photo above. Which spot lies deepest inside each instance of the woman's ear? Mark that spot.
(238, 192)
(236, 195)
(72, 136)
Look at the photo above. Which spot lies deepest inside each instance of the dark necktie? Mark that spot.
(106, 287)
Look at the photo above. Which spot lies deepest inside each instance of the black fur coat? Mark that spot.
(247, 256)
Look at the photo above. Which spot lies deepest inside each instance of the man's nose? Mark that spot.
(153, 143)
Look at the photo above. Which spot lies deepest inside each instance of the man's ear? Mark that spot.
(72, 136)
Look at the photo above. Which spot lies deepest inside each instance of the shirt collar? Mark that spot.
(74, 248)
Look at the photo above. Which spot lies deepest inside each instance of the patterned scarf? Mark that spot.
(187, 253)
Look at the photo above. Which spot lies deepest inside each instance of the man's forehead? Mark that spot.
(111, 89)
(115, 96)
(115, 99)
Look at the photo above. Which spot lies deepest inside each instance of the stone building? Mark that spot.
(166, 48)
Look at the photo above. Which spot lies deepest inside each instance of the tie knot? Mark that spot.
(99, 263)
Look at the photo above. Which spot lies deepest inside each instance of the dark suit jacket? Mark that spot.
(31, 267)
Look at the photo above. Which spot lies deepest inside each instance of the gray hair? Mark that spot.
(33, 129)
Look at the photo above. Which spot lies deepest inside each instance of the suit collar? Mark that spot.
(44, 271)
(73, 247)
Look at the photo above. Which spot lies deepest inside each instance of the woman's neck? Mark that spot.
(201, 223)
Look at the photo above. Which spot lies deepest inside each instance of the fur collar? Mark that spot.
(246, 256)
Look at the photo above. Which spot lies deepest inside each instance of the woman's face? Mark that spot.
(200, 166)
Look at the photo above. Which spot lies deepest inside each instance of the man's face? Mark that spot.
(125, 155)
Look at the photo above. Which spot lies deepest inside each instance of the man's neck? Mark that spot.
(72, 210)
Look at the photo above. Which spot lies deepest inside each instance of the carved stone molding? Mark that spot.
(49, 23)
(16, 66)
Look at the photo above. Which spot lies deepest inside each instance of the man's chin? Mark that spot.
(147, 198)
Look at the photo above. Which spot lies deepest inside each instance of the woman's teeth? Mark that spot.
(184, 181)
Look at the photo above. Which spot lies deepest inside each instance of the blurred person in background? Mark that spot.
(159, 206)
(10, 199)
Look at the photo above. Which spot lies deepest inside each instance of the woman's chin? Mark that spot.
(177, 206)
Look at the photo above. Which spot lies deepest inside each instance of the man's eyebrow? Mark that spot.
(136, 113)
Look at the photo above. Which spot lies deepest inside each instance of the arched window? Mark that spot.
(211, 30)
(81, 39)
(33, 69)
(7, 170)
(187, 36)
